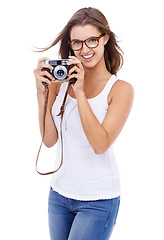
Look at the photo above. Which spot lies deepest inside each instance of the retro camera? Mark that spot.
(61, 69)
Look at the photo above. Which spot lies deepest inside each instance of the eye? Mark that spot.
(76, 42)
(92, 40)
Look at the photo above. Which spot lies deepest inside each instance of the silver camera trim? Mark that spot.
(63, 61)
(56, 69)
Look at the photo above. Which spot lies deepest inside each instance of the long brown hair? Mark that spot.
(113, 53)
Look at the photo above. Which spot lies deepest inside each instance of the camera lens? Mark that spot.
(60, 73)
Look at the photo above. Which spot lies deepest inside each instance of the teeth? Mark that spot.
(88, 56)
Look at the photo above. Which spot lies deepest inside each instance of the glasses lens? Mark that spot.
(76, 45)
(92, 42)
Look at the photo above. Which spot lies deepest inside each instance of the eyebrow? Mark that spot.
(76, 39)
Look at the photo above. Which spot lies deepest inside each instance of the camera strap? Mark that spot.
(61, 113)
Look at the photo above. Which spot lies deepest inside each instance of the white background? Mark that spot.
(24, 193)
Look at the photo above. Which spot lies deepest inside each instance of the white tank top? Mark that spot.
(84, 174)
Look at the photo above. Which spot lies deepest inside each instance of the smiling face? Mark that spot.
(90, 57)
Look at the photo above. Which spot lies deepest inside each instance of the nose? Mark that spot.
(85, 49)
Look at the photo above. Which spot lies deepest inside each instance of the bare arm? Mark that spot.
(101, 136)
(120, 98)
(51, 134)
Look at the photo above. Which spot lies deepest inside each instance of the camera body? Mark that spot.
(61, 69)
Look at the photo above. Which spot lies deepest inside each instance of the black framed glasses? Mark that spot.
(91, 42)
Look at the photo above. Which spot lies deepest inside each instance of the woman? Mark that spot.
(85, 192)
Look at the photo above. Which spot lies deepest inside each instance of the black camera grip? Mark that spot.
(45, 84)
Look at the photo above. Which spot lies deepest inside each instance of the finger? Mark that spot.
(43, 66)
(73, 58)
(75, 75)
(75, 61)
(43, 79)
(47, 74)
(42, 59)
(74, 69)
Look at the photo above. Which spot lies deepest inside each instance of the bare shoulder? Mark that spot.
(121, 85)
(122, 88)
(122, 91)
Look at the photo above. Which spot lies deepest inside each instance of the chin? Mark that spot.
(97, 59)
(91, 64)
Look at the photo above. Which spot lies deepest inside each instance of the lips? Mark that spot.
(88, 57)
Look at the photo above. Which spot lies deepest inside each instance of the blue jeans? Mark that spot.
(81, 220)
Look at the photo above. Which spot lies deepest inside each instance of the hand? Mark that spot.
(79, 75)
(42, 75)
